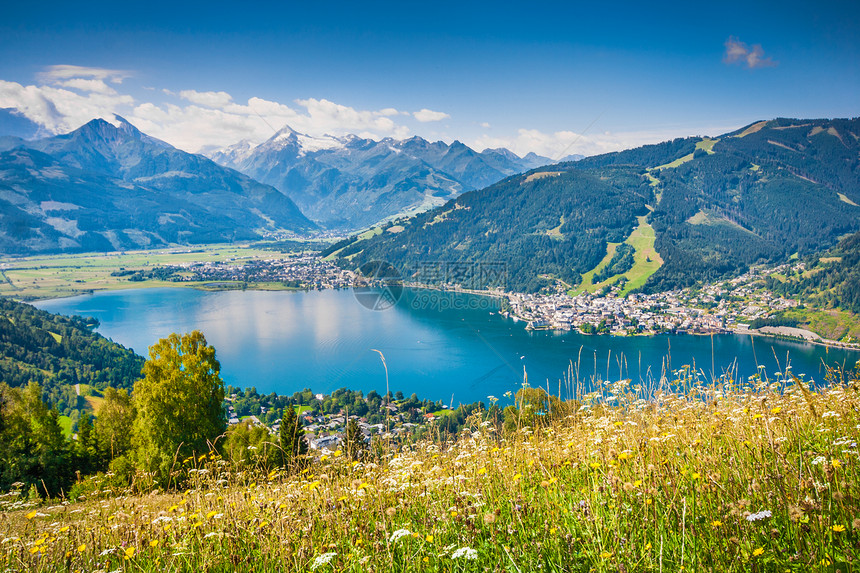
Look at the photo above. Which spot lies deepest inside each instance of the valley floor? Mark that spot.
(725, 306)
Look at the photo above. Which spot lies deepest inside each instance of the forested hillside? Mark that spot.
(762, 194)
(831, 280)
(557, 223)
(59, 352)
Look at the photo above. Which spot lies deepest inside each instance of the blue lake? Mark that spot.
(454, 348)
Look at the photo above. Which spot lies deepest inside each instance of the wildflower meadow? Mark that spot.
(719, 476)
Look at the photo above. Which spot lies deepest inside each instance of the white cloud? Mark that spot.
(52, 74)
(324, 116)
(563, 143)
(66, 97)
(485, 125)
(426, 115)
(217, 100)
(194, 120)
(88, 85)
(57, 109)
(738, 52)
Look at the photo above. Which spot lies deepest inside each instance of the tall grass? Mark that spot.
(706, 477)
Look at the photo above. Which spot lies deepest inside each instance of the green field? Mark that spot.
(642, 240)
(368, 234)
(718, 477)
(706, 144)
(587, 285)
(832, 324)
(66, 425)
(53, 276)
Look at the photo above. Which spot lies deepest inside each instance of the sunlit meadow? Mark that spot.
(759, 476)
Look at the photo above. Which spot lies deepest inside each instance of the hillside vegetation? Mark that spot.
(717, 206)
(830, 280)
(723, 477)
(558, 225)
(59, 352)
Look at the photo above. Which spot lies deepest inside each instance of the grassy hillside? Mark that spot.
(723, 478)
(646, 261)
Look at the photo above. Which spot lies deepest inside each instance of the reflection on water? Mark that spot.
(454, 348)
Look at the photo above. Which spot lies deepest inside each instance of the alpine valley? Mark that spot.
(653, 218)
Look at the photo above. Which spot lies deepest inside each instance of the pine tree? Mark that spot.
(85, 446)
(354, 440)
(294, 447)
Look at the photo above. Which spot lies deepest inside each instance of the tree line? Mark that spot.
(176, 412)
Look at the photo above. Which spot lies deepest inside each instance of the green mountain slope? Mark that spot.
(788, 187)
(59, 352)
(831, 280)
(555, 223)
(760, 194)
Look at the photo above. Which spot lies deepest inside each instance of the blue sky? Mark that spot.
(544, 77)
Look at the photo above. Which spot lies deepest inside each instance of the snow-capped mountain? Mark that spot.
(350, 181)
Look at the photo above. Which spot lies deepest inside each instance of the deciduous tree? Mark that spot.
(179, 403)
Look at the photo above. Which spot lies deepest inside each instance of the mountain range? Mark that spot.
(701, 208)
(693, 209)
(351, 182)
(107, 186)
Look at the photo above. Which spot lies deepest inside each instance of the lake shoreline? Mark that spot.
(225, 286)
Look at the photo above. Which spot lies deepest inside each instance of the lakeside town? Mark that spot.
(726, 306)
(729, 305)
(324, 417)
(306, 271)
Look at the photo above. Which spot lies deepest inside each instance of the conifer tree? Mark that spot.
(294, 447)
(354, 440)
